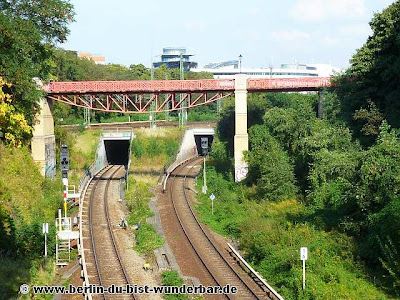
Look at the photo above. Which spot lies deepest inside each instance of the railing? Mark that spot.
(135, 86)
(274, 293)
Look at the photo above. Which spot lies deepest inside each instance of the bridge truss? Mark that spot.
(140, 103)
(166, 95)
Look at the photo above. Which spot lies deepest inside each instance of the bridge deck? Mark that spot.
(144, 96)
(193, 86)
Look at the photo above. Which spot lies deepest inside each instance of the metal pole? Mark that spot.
(182, 77)
(304, 274)
(204, 175)
(59, 219)
(45, 245)
(212, 206)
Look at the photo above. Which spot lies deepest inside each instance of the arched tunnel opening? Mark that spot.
(117, 151)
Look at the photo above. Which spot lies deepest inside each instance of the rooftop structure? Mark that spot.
(172, 57)
(228, 70)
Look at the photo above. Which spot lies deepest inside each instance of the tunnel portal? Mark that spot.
(117, 151)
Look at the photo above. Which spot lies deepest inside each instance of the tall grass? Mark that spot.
(151, 149)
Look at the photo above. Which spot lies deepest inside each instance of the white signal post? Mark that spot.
(212, 197)
(45, 232)
(204, 149)
(304, 257)
(204, 176)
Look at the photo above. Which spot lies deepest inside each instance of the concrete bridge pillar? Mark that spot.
(241, 141)
(43, 141)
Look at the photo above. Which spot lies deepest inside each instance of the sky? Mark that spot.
(264, 32)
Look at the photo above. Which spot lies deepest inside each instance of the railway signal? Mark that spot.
(64, 165)
(64, 159)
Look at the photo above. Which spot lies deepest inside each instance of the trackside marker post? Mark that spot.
(45, 232)
(304, 257)
(212, 197)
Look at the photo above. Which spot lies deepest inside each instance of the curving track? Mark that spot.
(217, 266)
(104, 263)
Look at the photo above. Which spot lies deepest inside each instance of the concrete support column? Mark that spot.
(241, 141)
(43, 140)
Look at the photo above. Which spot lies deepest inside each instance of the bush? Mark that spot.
(172, 278)
(269, 166)
(147, 239)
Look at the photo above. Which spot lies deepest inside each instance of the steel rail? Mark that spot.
(245, 284)
(173, 176)
(109, 227)
(212, 243)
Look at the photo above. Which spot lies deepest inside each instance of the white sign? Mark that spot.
(212, 197)
(45, 228)
(204, 189)
(303, 253)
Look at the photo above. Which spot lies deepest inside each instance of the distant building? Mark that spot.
(97, 59)
(172, 56)
(228, 70)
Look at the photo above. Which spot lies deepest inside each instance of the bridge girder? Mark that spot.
(136, 96)
(139, 103)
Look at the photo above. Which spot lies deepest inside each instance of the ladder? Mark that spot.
(63, 252)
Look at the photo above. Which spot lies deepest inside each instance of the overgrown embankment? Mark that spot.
(310, 183)
(151, 150)
(26, 201)
(82, 146)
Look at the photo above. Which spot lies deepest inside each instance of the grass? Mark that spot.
(172, 278)
(151, 149)
(272, 244)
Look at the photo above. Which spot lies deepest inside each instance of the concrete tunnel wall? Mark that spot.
(117, 151)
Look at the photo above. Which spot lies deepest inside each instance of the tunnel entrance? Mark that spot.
(117, 151)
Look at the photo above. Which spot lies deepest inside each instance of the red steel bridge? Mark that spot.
(140, 96)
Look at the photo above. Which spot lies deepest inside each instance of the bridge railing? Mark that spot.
(139, 86)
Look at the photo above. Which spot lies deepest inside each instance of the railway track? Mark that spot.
(105, 266)
(217, 266)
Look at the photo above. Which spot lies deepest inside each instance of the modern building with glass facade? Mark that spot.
(228, 70)
(172, 56)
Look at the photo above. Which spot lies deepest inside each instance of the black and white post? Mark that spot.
(303, 257)
(45, 232)
(64, 165)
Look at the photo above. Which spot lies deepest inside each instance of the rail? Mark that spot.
(109, 229)
(81, 251)
(212, 243)
(207, 237)
(255, 273)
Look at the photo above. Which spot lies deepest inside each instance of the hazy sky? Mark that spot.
(264, 32)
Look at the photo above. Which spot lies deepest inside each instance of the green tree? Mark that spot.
(373, 77)
(12, 125)
(28, 31)
(269, 166)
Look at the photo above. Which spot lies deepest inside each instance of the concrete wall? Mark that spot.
(188, 148)
(43, 141)
(99, 163)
